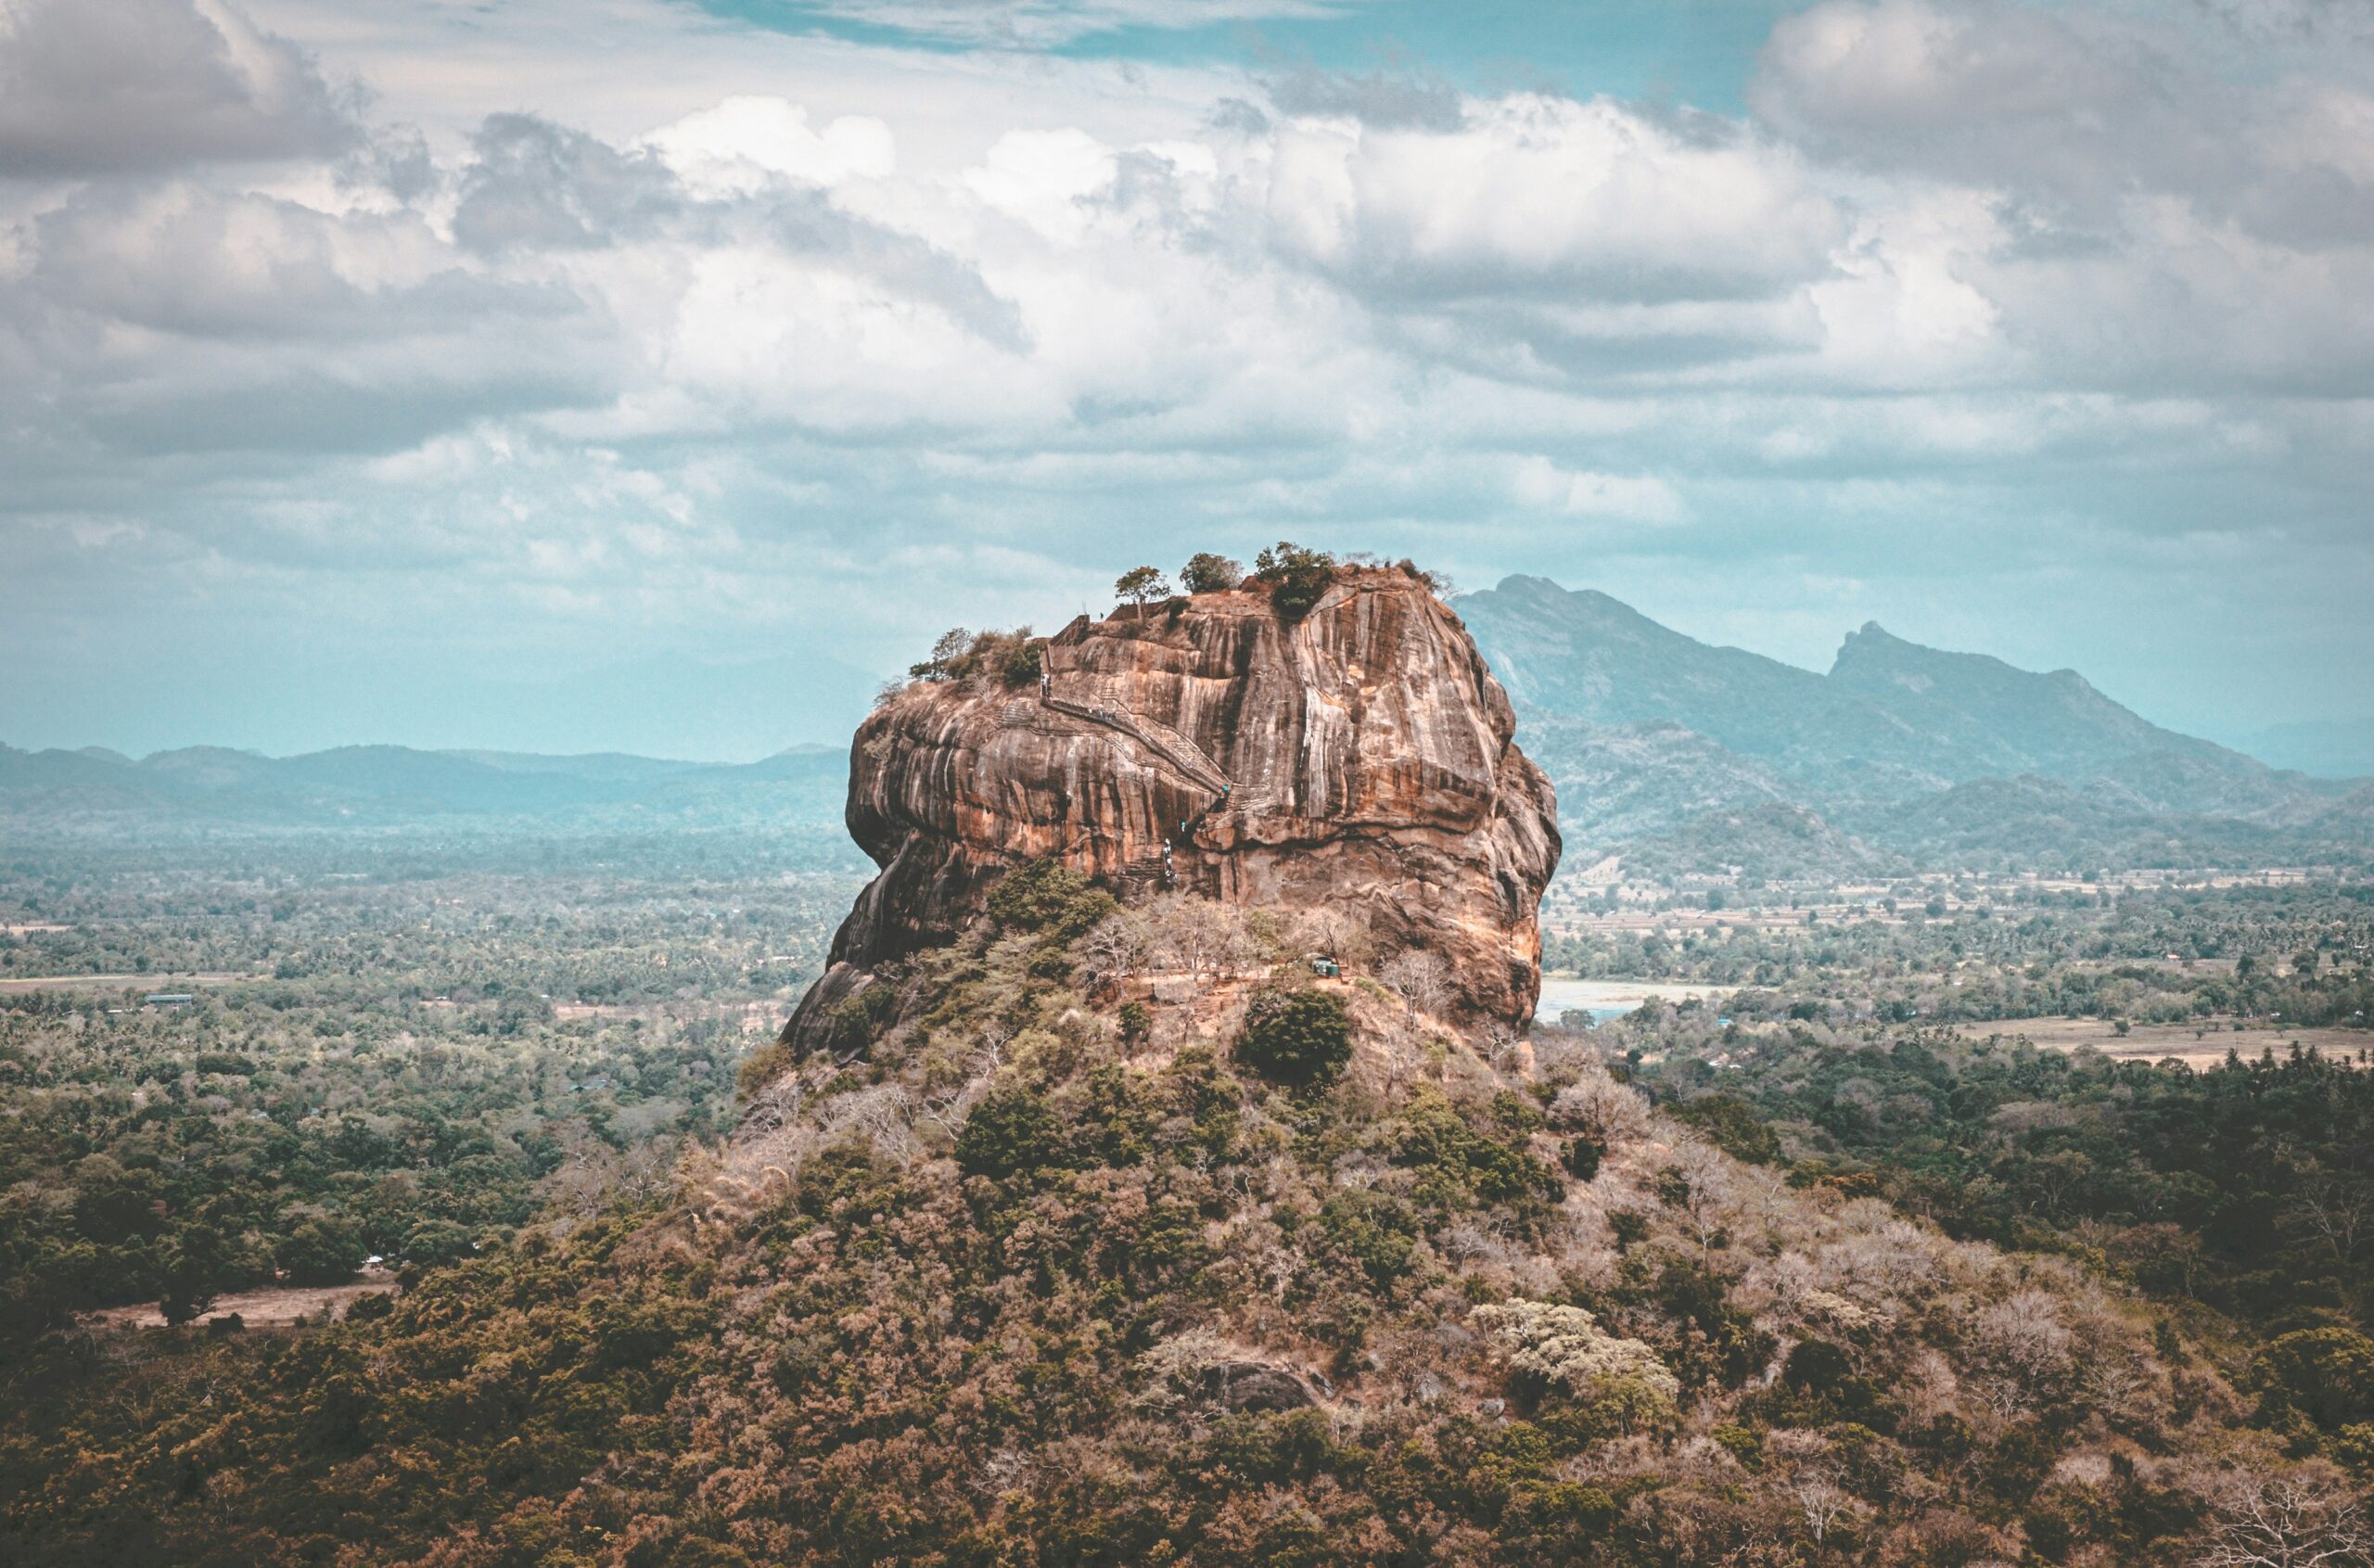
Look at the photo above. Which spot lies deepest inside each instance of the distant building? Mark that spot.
(168, 998)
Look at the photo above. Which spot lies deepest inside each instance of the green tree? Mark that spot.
(324, 1250)
(1296, 576)
(2326, 1374)
(1301, 1039)
(1140, 584)
(197, 1266)
(1048, 897)
(436, 1241)
(1208, 573)
(947, 654)
(1011, 1133)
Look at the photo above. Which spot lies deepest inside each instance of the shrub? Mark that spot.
(436, 1241)
(1817, 1367)
(1564, 1350)
(370, 1309)
(1209, 573)
(1012, 657)
(1136, 1021)
(1730, 1125)
(1297, 576)
(763, 1066)
(1301, 1039)
(1014, 1132)
(859, 1021)
(1050, 898)
(2325, 1374)
(1457, 1162)
(1582, 1157)
(1372, 1231)
(1438, 583)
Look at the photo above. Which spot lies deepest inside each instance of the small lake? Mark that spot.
(1606, 999)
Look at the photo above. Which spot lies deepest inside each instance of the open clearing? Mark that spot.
(279, 1303)
(14, 983)
(2187, 1042)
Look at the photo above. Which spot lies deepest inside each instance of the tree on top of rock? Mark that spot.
(1296, 576)
(1142, 584)
(1208, 573)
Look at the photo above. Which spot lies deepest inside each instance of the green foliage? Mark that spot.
(324, 1250)
(1582, 1155)
(1008, 659)
(1207, 572)
(407, 1064)
(1296, 575)
(1463, 1158)
(1013, 1343)
(860, 1019)
(1140, 583)
(1374, 1232)
(1011, 1133)
(1730, 1124)
(1048, 898)
(764, 1066)
(436, 1242)
(1300, 1038)
(2215, 1185)
(2325, 1374)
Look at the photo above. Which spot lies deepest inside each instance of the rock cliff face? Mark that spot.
(1358, 758)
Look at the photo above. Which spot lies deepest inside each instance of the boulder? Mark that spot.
(1358, 758)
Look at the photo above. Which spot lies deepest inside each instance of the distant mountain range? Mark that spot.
(390, 787)
(2332, 748)
(1682, 754)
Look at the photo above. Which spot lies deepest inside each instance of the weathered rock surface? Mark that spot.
(1358, 757)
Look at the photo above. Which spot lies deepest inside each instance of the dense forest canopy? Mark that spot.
(1033, 1265)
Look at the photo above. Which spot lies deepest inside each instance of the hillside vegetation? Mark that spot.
(1032, 1265)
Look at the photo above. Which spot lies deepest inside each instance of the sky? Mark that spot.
(646, 375)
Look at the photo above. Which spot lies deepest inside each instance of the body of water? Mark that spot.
(1606, 999)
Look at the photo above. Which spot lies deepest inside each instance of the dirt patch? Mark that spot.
(2201, 1044)
(121, 982)
(278, 1304)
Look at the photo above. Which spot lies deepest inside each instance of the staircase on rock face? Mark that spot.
(1183, 755)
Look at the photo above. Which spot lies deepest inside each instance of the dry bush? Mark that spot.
(1564, 1347)
(1602, 1109)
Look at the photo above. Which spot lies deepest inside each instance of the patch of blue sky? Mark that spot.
(1694, 53)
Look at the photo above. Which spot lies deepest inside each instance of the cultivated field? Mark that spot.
(2200, 1044)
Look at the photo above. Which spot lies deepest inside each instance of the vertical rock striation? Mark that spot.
(1358, 758)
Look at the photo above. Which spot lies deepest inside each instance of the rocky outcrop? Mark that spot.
(1357, 757)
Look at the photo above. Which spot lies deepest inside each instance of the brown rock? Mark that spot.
(1252, 1386)
(1358, 757)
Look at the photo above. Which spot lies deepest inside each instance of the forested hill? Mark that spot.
(1900, 753)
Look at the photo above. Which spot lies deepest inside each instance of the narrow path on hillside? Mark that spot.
(1182, 754)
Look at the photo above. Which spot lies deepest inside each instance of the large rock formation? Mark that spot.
(1358, 757)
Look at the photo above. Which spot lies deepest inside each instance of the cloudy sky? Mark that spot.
(542, 372)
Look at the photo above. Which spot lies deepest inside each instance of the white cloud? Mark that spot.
(127, 86)
(1534, 194)
(736, 147)
(1641, 498)
(729, 334)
